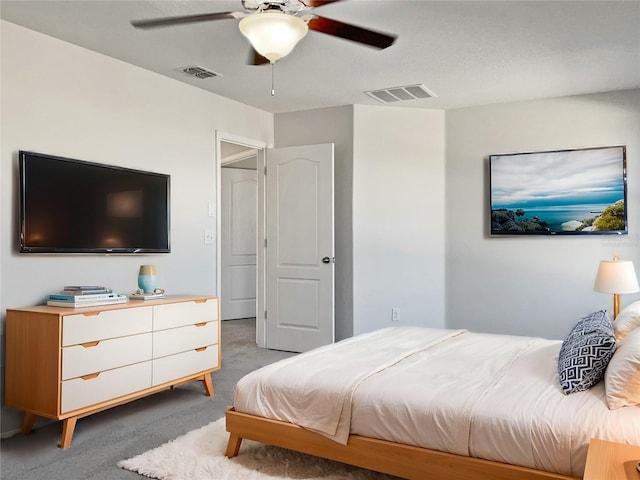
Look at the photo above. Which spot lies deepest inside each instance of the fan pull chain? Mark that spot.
(273, 88)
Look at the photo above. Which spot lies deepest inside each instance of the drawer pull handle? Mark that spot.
(201, 349)
(201, 324)
(90, 344)
(90, 376)
(91, 314)
(200, 300)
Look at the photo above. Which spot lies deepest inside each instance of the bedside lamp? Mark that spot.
(617, 277)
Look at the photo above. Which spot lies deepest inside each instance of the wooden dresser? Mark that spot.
(67, 363)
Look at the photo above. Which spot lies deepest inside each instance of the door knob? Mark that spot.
(326, 260)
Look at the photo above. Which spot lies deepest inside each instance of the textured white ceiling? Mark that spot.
(466, 52)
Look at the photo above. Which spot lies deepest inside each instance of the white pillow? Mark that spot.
(622, 377)
(627, 320)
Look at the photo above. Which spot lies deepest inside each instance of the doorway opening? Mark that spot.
(238, 227)
(289, 251)
(238, 231)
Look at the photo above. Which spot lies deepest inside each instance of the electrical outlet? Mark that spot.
(395, 314)
(209, 237)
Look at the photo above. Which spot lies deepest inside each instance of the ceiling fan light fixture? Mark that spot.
(273, 34)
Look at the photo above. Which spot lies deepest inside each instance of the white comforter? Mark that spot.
(488, 396)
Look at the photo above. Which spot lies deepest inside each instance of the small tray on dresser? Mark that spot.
(145, 296)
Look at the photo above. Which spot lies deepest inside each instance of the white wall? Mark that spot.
(533, 285)
(389, 201)
(398, 217)
(331, 125)
(64, 100)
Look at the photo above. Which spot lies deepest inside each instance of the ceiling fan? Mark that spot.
(274, 27)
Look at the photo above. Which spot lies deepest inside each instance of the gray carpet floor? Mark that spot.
(101, 440)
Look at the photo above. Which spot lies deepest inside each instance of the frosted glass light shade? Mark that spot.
(616, 276)
(273, 34)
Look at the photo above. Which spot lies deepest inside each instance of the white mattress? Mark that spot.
(495, 397)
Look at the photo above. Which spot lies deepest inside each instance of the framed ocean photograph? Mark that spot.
(560, 192)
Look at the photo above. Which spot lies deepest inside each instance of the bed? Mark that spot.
(424, 403)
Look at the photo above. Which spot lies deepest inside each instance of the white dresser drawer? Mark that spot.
(81, 328)
(174, 315)
(79, 392)
(180, 365)
(181, 339)
(92, 357)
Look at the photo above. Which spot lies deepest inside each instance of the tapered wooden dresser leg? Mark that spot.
(208, 384)
(68, 426)
(27, 422)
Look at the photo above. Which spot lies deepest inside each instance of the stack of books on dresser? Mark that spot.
(76, 296)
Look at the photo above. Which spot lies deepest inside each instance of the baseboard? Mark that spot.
(10, 433)
(40, 422)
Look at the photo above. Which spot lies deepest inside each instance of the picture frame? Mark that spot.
(559, 192)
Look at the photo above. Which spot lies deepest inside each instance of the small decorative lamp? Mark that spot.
(617, 277)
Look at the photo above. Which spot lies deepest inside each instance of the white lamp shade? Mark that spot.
(273, 34)
(616, 276)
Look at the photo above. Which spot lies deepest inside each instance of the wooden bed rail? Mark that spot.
(405, 461)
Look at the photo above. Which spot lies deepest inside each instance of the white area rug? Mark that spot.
(199, 455)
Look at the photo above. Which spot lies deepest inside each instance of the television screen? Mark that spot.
(562, 192)
(74, 206)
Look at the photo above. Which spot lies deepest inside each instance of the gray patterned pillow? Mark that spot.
(586, 352)
(596, 321)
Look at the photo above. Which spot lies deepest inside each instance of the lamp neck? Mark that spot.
(616, 305)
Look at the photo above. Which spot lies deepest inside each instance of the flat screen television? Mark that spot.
(75, 206)
(561, 192)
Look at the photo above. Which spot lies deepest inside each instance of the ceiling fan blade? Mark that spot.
(318, 3)
(168, 21)
(256, 59)
(351, 32)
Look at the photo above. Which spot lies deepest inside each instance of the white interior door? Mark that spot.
(299, 281)
(239, 203)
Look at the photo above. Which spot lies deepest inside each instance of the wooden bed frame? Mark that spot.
(405, 461)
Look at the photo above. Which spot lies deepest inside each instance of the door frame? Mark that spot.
(260, 147)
